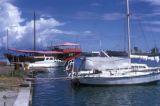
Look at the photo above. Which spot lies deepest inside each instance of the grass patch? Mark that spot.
(11, 79)
(19, 74)
(9, 82)
(16, 73)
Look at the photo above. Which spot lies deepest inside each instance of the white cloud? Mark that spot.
(153, 2)
(151, 26)
(96, 4)
(152, 29)
(87, 32)
(3, 1)
(153, 7)
(113, 16)
(44, 28)
(152, 22)
(22, 35)
(10, 15)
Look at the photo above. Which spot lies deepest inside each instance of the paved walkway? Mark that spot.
(10, 95)
(23, 98)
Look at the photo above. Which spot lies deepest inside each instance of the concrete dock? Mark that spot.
(8, 97)
(24, 96)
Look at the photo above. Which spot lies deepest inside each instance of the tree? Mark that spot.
(136, 50)
(154, 50)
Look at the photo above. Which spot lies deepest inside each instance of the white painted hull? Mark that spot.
(47, 65)
(139, 79)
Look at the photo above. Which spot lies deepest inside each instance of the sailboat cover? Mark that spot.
(107, 63)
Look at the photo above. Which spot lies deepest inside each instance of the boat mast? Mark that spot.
(128, 29)
(7, 39)
(34, 31)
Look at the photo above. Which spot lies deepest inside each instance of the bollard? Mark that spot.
(16, 66)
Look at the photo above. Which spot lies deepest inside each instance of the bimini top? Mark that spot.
(67, 44)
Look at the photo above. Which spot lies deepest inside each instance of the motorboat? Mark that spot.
(46, 63)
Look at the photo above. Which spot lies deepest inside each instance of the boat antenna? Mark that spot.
(34, 32)
(128, 29)
(100, 45)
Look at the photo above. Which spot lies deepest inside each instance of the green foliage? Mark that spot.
(136, 50)
(16, 73)
(154, 50)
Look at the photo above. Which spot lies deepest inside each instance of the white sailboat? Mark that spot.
(115, 70)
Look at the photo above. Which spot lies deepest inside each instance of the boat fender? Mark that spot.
(69, 66)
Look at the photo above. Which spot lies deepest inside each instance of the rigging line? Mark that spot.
(125, 35)
(153, 35)
(96, 30)
(143, 34)
(141, 28)
(154, 38)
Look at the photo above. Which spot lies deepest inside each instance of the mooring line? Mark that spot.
(57, 78)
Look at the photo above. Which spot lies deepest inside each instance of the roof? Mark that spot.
(32, 51)
(67, 44)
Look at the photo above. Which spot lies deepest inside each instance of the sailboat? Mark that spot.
(57, 55)
(114, 70)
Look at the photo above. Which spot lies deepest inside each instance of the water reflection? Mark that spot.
(119, 95)
(61, 93)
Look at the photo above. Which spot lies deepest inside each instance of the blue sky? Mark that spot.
(83, 21)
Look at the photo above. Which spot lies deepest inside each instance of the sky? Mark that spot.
(94, 24)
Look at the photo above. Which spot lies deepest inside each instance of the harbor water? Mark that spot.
(62, 93)
(49, 92)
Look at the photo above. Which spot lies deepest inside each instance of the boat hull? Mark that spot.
(46, 65)
(142, 79)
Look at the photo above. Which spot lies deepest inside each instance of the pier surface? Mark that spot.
(11, 94)
(10, 97)
(24, 96)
